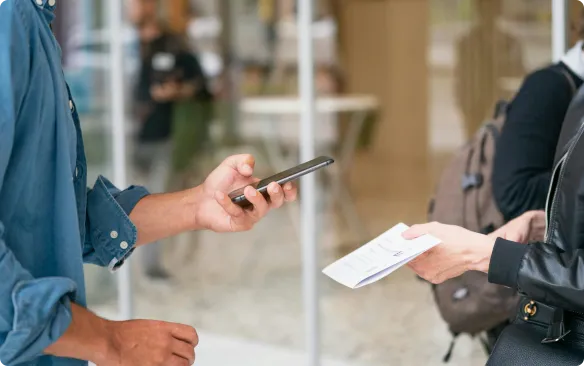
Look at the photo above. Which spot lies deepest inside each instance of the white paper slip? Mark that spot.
(378, 258)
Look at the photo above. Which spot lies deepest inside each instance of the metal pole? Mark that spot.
(308, 184)
(119, 136)
(559, 29)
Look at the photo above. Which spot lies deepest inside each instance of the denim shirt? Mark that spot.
(50, 222)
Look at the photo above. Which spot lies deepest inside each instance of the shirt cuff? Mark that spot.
(129, 198)
(505, 262)
(112, 235)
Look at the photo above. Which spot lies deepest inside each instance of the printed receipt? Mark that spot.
(378, 258)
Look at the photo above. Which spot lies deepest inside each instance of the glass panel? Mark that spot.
(479, 53)
(82, 32)
(405, 84)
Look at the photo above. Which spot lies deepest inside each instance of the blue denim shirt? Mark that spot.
(50, 223)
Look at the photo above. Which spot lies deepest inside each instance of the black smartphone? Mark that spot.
(238, 197)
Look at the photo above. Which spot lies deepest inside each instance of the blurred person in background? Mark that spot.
(172, 107)
(486, 56)
(527, 145)
(268, 12)
(51, 223)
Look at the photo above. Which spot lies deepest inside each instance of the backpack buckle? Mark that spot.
(472, 181)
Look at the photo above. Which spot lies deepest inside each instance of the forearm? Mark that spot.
(86, 337)
(541, 271)
(187, 90)
(163, 215)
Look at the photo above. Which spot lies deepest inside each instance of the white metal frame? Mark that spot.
(559, 28)
(308, 233)
(117, 103)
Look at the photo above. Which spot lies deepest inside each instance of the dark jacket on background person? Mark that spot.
(164, 59)
(525, 150)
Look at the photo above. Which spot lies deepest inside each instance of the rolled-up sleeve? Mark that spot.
(110, 234)
(34, 313)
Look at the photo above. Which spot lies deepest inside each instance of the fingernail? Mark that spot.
(247, 167)
(288, 187)
(276, 189)
(254, 193)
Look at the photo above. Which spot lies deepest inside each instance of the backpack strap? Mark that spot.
(568, 76)
(448, 354)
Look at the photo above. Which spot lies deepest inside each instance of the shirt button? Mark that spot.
(71, 105)
(52, 2)
(76, 172)
(114, 234)
(39, 2)
(124, 245)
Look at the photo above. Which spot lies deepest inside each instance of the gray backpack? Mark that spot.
(469, 304)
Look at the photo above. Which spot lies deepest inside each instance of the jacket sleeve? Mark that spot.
(110, 235)
(530, 136)
(542, 272)
(34, 312)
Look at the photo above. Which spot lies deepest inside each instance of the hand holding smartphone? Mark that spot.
(282, 178)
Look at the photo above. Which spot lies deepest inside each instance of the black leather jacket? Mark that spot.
(552, 272)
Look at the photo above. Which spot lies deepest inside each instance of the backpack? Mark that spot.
(469, 304)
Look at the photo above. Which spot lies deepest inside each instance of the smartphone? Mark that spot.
(238, 197)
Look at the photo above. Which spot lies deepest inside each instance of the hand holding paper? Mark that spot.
(379, 258)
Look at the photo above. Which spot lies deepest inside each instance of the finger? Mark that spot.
(276, 195)
(186, 334)
(231, 208)
(417, 231)
(290, 192)
(260, 205)
(184, 350)
(178, 361)
(243, 163)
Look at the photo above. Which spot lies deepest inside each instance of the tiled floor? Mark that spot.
(246, 288)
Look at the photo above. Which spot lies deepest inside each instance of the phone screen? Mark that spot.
(283, 177)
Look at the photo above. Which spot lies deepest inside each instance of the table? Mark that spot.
(359, 106)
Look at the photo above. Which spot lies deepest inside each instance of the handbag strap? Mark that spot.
(554, 317)
(557, 328)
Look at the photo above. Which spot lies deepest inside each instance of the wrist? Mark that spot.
(481, 255)
(192, 208)
(87, 338)
(103, 348)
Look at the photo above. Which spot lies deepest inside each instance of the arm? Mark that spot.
(85, 339)
(137, 218)
(195, 84)
(530, 136)
(541, 271)
(34, 312)
(110, 234)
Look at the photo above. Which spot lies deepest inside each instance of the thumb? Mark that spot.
(417, 231)
(243, 163)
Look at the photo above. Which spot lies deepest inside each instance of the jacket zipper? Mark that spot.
(561, 166)
(549, 199)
